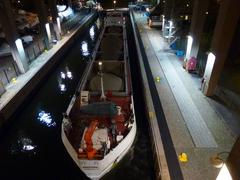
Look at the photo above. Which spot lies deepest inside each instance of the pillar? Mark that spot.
(54, 13)
(226, 24)
(9, 28)
(197, 23)
(42, 15)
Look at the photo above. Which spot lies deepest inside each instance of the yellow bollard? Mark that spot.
(183, 157)
(157, 79)
(14, 80)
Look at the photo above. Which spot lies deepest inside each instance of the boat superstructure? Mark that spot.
(99, 126)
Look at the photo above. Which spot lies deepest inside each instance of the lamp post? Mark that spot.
(114, 4)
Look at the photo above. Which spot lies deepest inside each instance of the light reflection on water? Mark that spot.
(92, 33)
(46, 119)
(64, 77)
(84, 49)
(23, 145)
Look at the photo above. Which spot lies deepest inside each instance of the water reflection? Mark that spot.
(23, 145)
(46, 119)
(68, 73)
(98, 23)
(62, 87)
(92, 33)
(84, 49)
(63, 75)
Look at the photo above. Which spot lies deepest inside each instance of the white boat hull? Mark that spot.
(95, 169)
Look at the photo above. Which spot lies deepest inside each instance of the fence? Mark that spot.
(35, 49)
(8, 73)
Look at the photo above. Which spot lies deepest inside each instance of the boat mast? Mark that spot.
(102, 97)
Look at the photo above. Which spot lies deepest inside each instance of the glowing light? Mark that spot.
(14, 80)
(62, 87)
(59, 25)
(98, 23)
(114, 2)
(189, 47)
(224, 174)
(61, 8)
(28, 147)
(19, 45)
(206, 12)
(64, 13)
(210, 62)
(23, 145)
(100, 65)
(208, 70)
(85, 51)
(92, 33)
(46, 119)
(69, 75)
(163, 22)
(48, 31)
(63, 75)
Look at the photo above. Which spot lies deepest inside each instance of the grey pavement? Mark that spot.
(196, 124)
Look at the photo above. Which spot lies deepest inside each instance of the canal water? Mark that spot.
(31, 145)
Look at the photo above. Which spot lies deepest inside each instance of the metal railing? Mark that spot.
(8, 73)
(35, 49)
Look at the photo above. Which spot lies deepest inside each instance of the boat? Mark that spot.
(99, 126)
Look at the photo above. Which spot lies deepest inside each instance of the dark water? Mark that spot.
(31, 146)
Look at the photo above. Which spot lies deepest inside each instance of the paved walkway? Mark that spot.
(196, 127)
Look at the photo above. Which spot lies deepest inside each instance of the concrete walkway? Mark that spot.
(195, 125)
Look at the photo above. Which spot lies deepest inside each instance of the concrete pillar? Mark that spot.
(197, 23)
(9, 28)
(42, 15)
(226, 24)
(54, 13)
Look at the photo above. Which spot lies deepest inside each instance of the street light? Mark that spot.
(114, 3)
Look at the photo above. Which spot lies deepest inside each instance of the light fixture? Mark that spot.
(189, 47)
(224, 173)
(59, 25)
(48, 31)
(219, 161)
(163, 23)
(208, 70)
